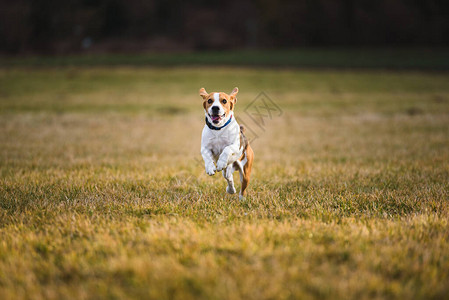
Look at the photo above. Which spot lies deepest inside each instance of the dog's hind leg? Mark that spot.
(227, 174)
(238, 166)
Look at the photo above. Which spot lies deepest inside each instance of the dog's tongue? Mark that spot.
(215, 118)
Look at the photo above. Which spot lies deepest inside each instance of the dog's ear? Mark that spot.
(203, 93)
(234, 94)
(233, 97)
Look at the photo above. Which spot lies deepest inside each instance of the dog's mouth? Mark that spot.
(217, 118)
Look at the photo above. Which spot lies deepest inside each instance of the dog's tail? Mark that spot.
(243, 140)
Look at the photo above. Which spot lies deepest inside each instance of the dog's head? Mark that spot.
(218, 106)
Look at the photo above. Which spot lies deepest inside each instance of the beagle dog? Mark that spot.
(224, 146)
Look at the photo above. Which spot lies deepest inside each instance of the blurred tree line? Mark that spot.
(67, 26)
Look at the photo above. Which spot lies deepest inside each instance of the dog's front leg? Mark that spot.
(228, 153)
(208, 161)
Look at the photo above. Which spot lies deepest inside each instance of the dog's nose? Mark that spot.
(215, 109)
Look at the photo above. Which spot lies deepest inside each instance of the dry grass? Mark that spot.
(103, 193)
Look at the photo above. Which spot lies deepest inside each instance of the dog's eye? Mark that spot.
(209, 101)
(224, 101)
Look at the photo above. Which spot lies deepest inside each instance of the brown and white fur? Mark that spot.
(225, 149)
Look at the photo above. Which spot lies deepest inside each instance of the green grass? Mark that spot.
(103, 194)
(394, 58)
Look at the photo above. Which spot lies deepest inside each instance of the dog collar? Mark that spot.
(218, 128)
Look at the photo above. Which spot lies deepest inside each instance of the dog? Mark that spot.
(224, 146)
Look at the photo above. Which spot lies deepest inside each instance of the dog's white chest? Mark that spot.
(217, 140)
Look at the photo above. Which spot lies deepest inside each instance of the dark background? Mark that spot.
(127, 26)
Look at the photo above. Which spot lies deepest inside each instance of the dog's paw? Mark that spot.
(210, 169)
(230, 189)
(221, 165)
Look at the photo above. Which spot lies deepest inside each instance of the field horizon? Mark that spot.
(103, 192)
(435, 59)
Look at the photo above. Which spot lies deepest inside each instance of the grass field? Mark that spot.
(103, 194)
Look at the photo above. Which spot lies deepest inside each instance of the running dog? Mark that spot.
(224, 146)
